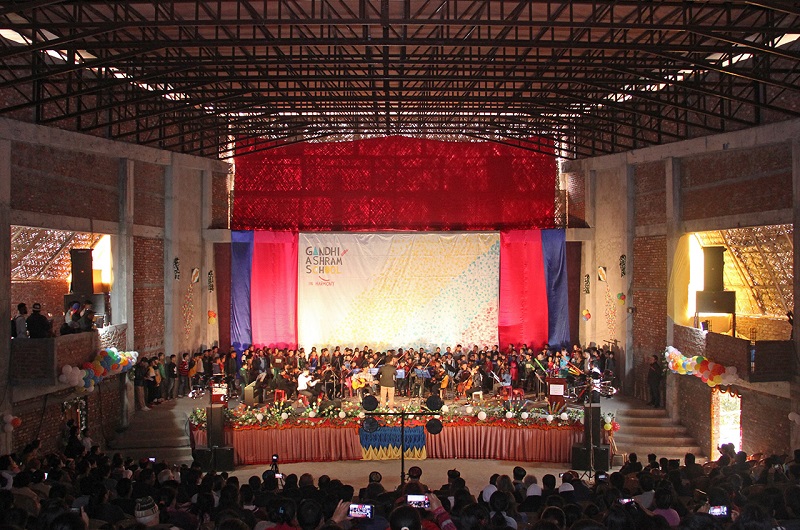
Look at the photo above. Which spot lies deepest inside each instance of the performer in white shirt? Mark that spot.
(304, 381)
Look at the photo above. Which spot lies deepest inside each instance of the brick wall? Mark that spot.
(49, 293)
(148, 195)
(766, 328)
(105, 408)
(765, 423)
(650, 300)
(728, 351)
(59, 182)
(650, 193)
(750, 180)
(148, 295)
(576, 200)
(694, 408)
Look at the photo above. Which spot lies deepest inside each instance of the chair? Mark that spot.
(518, 393)
(477, 396)
(280, 395)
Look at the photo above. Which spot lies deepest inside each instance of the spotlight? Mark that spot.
(434, 426)
(370, 425)
(434, 402)
(369, 403)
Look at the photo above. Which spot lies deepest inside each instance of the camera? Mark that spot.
(601, 477)
(275, 458)
(418, 501)
(279, 475)
(361, 511)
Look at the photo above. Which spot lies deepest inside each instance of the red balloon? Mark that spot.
(16, 422)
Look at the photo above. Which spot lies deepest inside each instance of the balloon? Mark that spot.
(524, 415)
(607, 427)
(361, 415)
(7, 418)
(259, 416)
(66, 369)
(509, 415)
(445, 408)
(549, 418)
(284, 416)
(482, 415)
(342, 414)
(62, 378)
(564, 416)
(793, 416)
(312, 414)
(8, 427)
(469, 409)
(16, 422)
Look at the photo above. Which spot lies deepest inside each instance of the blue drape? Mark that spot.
(241, 263)
(554, 250)
(390, 437)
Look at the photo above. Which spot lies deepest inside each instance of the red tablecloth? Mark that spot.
(318, 444)
(321, 444)
(504, 443)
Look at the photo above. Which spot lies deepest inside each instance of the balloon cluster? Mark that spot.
(586, 314)
(106, 363)
(10, 423)
(795, 417)
(621, 298)
(212, 317)
(609, 424)
(711, 373)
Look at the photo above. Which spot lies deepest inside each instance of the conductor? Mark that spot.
(386, 378)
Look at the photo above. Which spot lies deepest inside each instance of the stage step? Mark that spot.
(645, 430)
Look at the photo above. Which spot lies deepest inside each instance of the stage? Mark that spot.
(495, 429)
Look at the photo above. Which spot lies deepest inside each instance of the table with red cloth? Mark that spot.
(323, 443)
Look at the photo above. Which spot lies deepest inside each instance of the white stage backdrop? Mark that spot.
(398, 290)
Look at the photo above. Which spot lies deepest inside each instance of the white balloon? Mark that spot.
(7, 418)
(362, 415)
(564, 416)
(66, 369)
(445, 408)
(469, 409)
(509, 415)
(524, 415)
(312, 414)
(482, 415)
(8, 427)
(731, 370)
(342, 414)
(549, 418)
(62, 378)
(259, 416)
(284, 416)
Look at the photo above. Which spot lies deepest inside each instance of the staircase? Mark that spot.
(646, 430)
(161, 432)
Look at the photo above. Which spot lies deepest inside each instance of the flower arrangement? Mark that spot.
(349, 415)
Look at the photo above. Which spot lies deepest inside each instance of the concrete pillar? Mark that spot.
(672, 176)
(206, 258)
(5, 285)
(122, 255)
(171, 237)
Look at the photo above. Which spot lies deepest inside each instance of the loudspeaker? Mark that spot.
(223, 459)
(581, 462)
(215, 421)
(716, 301)
(714, 265)
(82, 280)
(591, 423)
(202, 455)
(325, 405)
(250, 395)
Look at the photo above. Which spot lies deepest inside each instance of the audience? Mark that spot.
(91, 490)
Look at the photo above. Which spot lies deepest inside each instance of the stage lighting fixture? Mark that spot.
(370, 425)
(369, 403)
(434, 402)
(434, 426)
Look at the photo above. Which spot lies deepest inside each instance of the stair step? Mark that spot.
(676, 441)
(642, 413)
(652, 430)
(643, 422)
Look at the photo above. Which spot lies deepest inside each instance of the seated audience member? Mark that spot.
(632, 465)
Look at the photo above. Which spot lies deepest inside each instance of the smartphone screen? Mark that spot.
(152, 459)
(626, 500)
(361, 511)
(718, 511)
(279, 475)
(418, 501)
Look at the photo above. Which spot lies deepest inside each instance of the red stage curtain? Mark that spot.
(273, 289)
(523, 316)
(394, 183)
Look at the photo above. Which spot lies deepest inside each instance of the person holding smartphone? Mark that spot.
(408, 517)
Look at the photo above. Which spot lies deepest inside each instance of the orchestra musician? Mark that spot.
(304, 382)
